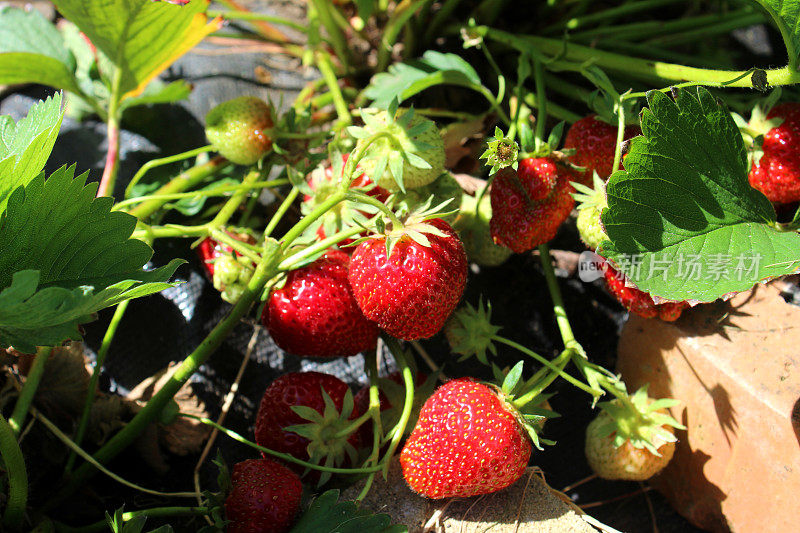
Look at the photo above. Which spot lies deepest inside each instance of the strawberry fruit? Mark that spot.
(594, 142)
(410, 289)
(521, 222)
(776, 163)
(241, 129)
(639, 302)
(315, 314)
(301, 413)
(631, 440)
(264, 497)
(468, 441)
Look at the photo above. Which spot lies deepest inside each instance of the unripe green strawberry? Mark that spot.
(475, 233)
(592, 201)
(231, 276)
(240, 129)
(422, 157)
(633, 440)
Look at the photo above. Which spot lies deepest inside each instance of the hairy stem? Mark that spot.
(16, 475)
(28, 391)
(108, 338)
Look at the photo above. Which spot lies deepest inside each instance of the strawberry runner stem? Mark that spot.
(28, 391)
(374, 411)
(160, 162)
(17, 477)
(408, 403)
(222, 190)
(284, 456)
(102, 525)
(91, 392)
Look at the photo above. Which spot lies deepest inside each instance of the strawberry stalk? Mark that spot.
(408, 403)
(323, 60)
(155, 163)
(28, 391)
(286, 457)
(17, 475)
(644, 69)
(282, 209)
(374, 411)
(102, 525)
(91, 392)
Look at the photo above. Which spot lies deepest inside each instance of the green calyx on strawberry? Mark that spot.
(501, 152)
(632, 439)
(469, 440)
(322, 185)
(470, 331)
(443, 190)
(591, 203)
(519, 220)
(472, 225)
(303, 414)
(408, 279)
(241, 129)
(405, 150)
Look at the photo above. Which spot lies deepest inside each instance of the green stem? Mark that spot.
(28, 391)
(639, 68)
(620, 136)
(109, 178)
(216, 191)
(180, 183)
(168, 231)
(374, 411)
(541, 102)
(561, 113)
(236, 200)
(84, 455)
(309, 219)
(408, 403)
(335, 35)
(152, 410)
(721, 28)
(357, 196)
(155, 163)
(102, 525)
(540, 384)
(290, 262)
(248, 15)
(326, 69)
(17, 477)
(284, 207)
(108, 338)
(402, 12)
(611, 14)
(567, 336)
(238, 246)
(545, 362)
(286, 457)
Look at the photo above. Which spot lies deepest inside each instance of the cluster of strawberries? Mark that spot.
(406, 279)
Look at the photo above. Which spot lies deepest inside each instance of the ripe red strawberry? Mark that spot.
(639, 302)
(264, 497)
(518, 221)
(241, 129)
(411, 292)
(776, 172)
(315, 314)
(594, 142)
(278, 427)
(323, 185)
(467, 442)
(633, 440)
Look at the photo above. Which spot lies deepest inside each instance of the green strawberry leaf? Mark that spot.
(33, 51)
(26, 145)
(65, 257)
(141, 37)
(786, 14)
(683, 222)
(159, 93)
(404, 80)
(327, 515)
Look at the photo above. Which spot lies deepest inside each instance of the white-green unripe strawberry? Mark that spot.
(231, 276)
(473, 228)
(241, 129)
(413, 156)
(442, 189)
(591, 203)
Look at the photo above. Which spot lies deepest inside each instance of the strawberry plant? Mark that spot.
(350, 221)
